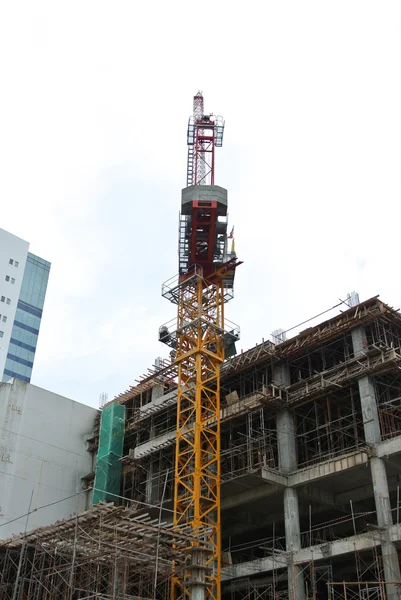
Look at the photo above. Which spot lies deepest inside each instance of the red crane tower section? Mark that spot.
(203, 224)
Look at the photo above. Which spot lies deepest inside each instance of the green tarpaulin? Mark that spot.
(111, 441)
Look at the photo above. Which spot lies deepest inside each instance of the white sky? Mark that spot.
(94, 102)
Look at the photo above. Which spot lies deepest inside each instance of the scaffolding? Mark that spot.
(106, 553)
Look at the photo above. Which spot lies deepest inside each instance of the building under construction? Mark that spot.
(268, 475)
(310, 464)
(310, 458)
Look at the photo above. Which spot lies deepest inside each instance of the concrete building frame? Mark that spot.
(311, 458)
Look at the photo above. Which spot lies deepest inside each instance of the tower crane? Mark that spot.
(200, 338)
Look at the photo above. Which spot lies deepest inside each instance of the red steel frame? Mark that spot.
(204, 217)
(204, 133)
(204, 146)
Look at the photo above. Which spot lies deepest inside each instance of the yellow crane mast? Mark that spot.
(201, 341)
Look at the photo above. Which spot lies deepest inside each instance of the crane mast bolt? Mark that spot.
(201, 339)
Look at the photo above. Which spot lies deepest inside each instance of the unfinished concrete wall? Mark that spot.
(43, 456)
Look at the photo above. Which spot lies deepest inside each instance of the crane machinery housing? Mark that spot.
(200, 338)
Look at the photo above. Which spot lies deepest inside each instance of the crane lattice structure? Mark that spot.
(205, 133)
(201, 338)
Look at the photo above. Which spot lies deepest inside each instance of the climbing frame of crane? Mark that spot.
(200, 339)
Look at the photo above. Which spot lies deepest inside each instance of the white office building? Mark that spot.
(44, 454)
(23, 285)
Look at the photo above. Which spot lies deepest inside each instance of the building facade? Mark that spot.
(23, 284)
(44, 453)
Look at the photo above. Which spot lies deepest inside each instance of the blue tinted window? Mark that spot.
(29, 308)
(24, 336)
(34, 284)
(8, 374)
(26, 327)
(20, 361)
(21, 352)
(28, 316)
(22, 345)
(27, 319)
(18, 368)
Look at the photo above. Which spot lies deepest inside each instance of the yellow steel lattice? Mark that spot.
(200, 352)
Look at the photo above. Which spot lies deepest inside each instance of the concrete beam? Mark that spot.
(162, 441)
(253, 567)
(389, 447)
(277, 482)
(330, 467)
(274, 478)
(363, 541)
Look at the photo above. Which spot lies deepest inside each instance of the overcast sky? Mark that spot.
(94, 102)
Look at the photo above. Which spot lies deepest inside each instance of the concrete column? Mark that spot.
(119, 587)
(288, 463)
(197, 574)
(366, 391)
(370, 415)
(287, 451)
(371, 424)
(197, 592)
(149, 484)
(391, 565)
(157, 392)
(380, 487)
(296, 584)
(359, 340)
